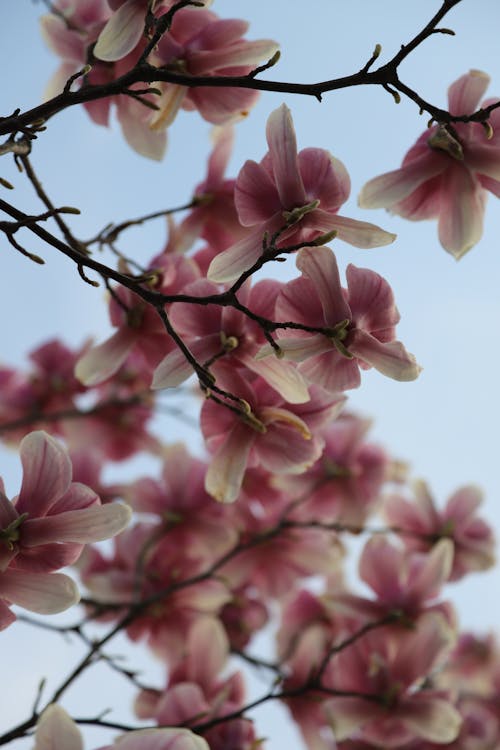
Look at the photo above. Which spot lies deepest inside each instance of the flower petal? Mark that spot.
(227, 467)
(46, 473)
(45, 593)
(282, 143)
(122, 32)
(55, 730)
(320, 266)
(461, 211)
(102, 361)
(465, 94)
(358, 233)
(81, 526)
(389, 358)
(390, 188)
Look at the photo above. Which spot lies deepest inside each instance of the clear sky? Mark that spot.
(445, 424)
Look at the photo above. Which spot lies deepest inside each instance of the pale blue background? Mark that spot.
(446, 423)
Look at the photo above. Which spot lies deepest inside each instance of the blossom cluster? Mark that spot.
(220, 545)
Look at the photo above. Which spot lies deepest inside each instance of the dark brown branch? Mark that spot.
(386, 75)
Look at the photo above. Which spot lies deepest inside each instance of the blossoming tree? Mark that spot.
(251, 533)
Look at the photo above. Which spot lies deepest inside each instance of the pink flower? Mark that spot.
(359, 323)
(389, 673)
(344, 485)
(214, 216)
(405, 583)
(298, 194)
(199, 43)
(446, 174)
(214, 334)
(423, 525)
(46, 526)
(57, 730)
(270, 433)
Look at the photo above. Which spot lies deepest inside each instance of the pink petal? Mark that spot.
(300, 348)
(227, 468)
(390, 358)
(324, 178)
(463, 504)
(122, 32)
(55, 730)
(332, 371)
(223, 105)
(137, 132)
(461, 211)
(282, 376)
(174, 369)
(208, 650)
(380, 567)
(241, 53)
(159, 739)
(432, 718)
(46, 473)
(169, 104)
(420, 650)
(371, 300)
(435, 571)
(45, 593)
(102, 361)
(287, 447)
(231, 263)
(283, 152)
(255, 195)
(390, 188)
(358, 233)
(68, 44)
(346, 715)
(465, 94)
(320, 266)
(81, 526)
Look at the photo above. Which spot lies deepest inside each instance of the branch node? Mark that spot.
(269, 64)
(85, 277)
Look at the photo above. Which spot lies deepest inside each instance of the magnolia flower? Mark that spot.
(424, 524)
(56, 730)
(269, 432)
(392, 670)
(359, 324)
(45, 528)
(446, 174)
(295, 193)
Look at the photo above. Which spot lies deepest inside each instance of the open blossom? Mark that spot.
(197, 43)
(405, 583)
(344, 485)
(196, 691)
(295, 193)
(45, 528)
(446, 174)
(392, 671)
(424, 524)
(214, 334)
(214, 215)
(359, 324)
(56, 730)
(140, 328)
(269, 433)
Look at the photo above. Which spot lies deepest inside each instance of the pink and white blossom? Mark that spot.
(46, 527)
(424, 524)
(447, 173)
(358, 324)
(295, 193)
